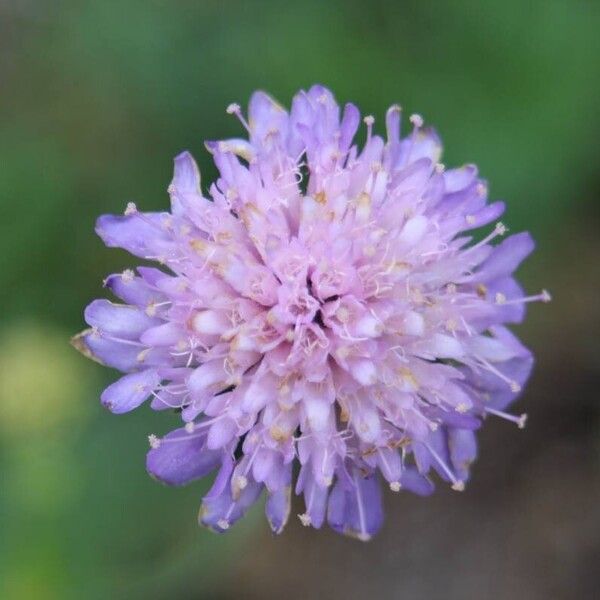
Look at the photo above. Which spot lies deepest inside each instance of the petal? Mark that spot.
(458, 179)
(441, 345)
(222, 480)
(166, 334)
(219, 511)
(348, 126)
(185, 185)
(425, 143)
(221, 433)
(482, 217)
(277, 508)
(181, 457)
(462, 445)
(390, 464)
(206, 376)
(123, 357)
(415, 482)
(264, 116)
(494, 390)
(132, 290)
(130, 391)
(319, 412)
(118, 320)
(506, 257)
(511, 290)
(263, 463)
(315, 502)
(144, 236)
(358, 510)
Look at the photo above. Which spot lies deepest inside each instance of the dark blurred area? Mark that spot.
(96, 99)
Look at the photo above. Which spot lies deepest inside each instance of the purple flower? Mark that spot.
(325, 308)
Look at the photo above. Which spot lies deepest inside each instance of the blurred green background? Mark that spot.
(96, 99)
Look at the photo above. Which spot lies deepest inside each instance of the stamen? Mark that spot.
(151, 308)
(234, 109)
(520, 420)
(543, 296)
(457, 484)
(168, 403)
(514, 386)
(499, 229)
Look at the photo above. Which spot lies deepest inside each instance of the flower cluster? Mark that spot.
(322, 322)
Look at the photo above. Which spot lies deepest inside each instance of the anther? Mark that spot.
(416, 120)
(543, 296)
(500, 298)
(223, 524)
(451, 325)
(501, 228)
(395, 486)
(440, 168)
(458, 486)
(153, 441)
(130, 209)
(305, 519)
(369, 120)
(127, 275)
(189, 427)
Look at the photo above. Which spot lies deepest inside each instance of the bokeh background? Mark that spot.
(96, 97)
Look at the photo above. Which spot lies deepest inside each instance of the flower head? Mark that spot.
(325, 307)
